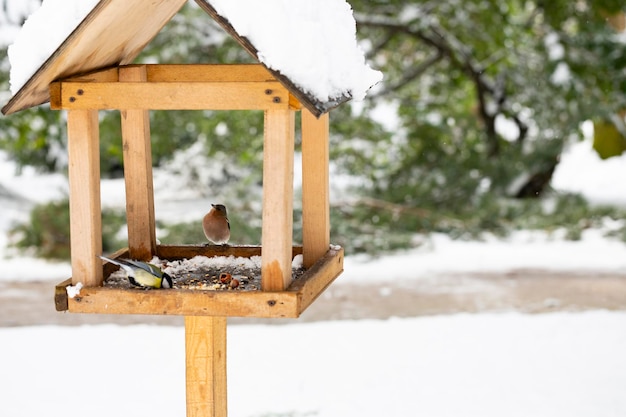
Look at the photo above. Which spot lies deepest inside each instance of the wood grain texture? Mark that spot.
(176, 252)
(315, 194)
(192, 95)
(137, 151)
(113, 33)
(266, 304)
(318, 278)
(208, 73)
(277, 227)
(85, 209)
(205, 370)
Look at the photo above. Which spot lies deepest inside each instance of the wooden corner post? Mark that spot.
(315, 183)
(138, 173)
(83, 145)
(277, 229)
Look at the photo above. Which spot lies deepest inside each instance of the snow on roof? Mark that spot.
(56, 19)
(312, 43)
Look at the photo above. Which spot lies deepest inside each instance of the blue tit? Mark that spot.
(216, 225)
(143, 274)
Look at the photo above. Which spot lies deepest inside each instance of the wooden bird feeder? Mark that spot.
(91, 72)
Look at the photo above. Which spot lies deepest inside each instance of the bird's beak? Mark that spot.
(213, 205)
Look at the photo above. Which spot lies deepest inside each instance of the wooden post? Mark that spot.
(315, 194)
(205, 347)
(277, 229)
(85, 210)
(138, 173)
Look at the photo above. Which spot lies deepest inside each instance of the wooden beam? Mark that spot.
(177, 252)
(263, 95)
(85, 209)
(108, 300)
(277, 228)
(319, 277)
(205, 353)
(315, 194)
(138, 173)
(208, 73)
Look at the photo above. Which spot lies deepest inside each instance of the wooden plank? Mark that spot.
(318, 278)
(60, 295)
(205, 354)
(106, 300)
(85, 209)
(113, 33)
(208, 73)
(277, 228)
(174, 95)
(138, 173)
(315, 194)
(106, 75)
(176, 252)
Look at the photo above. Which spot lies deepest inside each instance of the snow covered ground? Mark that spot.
(461, 365)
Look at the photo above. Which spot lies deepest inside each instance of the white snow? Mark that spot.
(522, 250)
(311, 42)
(73, 290)
(42, 33)
(485, 365)
(581, 170)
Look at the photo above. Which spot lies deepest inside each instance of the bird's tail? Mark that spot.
(113, 261)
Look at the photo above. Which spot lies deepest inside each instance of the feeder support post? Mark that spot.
(315, 184)
(85, 209)
(205, 352)
(277, 229)
(138, 173)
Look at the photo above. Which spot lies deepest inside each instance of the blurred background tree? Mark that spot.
(480, 98)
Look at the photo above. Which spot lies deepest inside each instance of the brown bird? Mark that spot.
(216, 225)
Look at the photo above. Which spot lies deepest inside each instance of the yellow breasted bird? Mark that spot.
(216, 225)
(143, 274)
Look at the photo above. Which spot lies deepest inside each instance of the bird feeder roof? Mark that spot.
(114, 32)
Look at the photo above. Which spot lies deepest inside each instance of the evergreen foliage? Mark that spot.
(480, 98)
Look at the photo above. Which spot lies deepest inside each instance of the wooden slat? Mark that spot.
(113, 33)
(315, 195)
(107, 75)
(60, 295)
(208, 73)
(85, 209)
(106, 300)
(176, 252)
(277, 227)
(267, 304)
(138, 173)
(318, 278)
(205, 353)
(173, 96)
